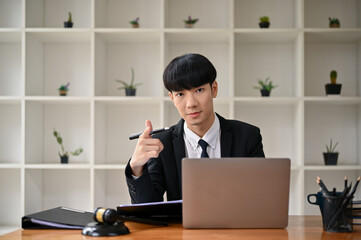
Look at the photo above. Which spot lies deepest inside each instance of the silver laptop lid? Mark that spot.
(235, 192)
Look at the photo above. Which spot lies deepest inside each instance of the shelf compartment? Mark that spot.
(70, 119)
(215, 45)
(279, 125)
(10, 64)
(50, 188)
(331, 179)
(115, 121)
(56, 58)
(339, 122)
(217, 14)
(11, 14)
(115, 55)
(273, 54)
(327, 51)
(347, 12)
(53, 13)
(110, 188)
(282, 13)
(10, 200)
(10, 132)
(118, 14)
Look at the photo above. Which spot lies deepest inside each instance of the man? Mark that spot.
(155, 167)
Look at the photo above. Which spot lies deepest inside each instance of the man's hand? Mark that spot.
(146, 148)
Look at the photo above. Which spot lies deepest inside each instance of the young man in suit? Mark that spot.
(155, 167)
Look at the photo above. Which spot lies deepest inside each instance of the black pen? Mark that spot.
(137, 135)
(323, 187)
(345, 182)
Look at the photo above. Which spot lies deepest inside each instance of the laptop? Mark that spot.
(235, 192)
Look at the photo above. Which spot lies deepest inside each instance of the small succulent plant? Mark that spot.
(264, 19)
(63, 152)
(135, 22)
(333, 76)
(331, 148)
(265, 85)
(127, 85)
(191, 20)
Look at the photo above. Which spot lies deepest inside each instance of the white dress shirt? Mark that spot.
(212, 137)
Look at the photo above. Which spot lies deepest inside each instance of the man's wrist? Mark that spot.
(137, 171)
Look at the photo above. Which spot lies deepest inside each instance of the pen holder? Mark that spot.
(336, 213)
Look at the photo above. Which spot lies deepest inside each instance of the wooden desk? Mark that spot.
(300, 227)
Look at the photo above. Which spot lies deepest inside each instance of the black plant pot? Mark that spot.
(333, 89)
(330, 158)
(264, 24)
(265, 92)
(68, 24)
(64, 159)
(130, 91)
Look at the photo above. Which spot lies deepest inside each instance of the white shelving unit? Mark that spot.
(37, 55)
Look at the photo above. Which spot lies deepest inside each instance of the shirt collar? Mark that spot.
(210, 137)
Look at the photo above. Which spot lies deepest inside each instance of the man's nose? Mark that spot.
(191, 101)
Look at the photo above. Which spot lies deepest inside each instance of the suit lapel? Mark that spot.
(179, 149)
(226, 137)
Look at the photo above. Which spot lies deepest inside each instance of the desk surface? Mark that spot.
(300, 227)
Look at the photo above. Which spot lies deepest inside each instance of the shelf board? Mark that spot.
(319, 35)
(331, 168)
(57, 99)
(339, 100)
(10, 165)
(57, 166)
(128, 100)
(266, 35)
(109, 166)
(9, 99)
(54, 35)
(268, 100)
(184, 36)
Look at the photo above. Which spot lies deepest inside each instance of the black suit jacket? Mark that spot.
(238, 139)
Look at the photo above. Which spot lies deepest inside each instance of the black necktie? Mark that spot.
(203, 145)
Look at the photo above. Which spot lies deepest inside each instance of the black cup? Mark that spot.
(336, 214)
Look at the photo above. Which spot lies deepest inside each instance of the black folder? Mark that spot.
(159, 213)
(57, 218)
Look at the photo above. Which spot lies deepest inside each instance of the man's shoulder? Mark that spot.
(232, 123)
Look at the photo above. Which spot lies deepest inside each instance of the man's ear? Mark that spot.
(214, 89)
(171, 96)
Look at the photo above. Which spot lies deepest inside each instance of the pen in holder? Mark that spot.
(335, 207)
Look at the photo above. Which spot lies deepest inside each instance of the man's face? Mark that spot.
(196, 105)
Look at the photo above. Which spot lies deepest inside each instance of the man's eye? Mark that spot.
(179, 94)
(200, 90)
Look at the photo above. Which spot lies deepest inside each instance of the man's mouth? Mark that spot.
(194, 114)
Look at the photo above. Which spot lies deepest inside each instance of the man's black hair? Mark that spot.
(188, 71)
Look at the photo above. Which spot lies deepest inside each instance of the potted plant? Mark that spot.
(333, 88)
(64, 155)
(135, 23)
(63, 90)
(334, 22)
(69, 23)
(189, 23)
(264, 22)
(265, 87)
(130, 89)
(330, 156)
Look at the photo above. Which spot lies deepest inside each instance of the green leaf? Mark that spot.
(77, 152)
